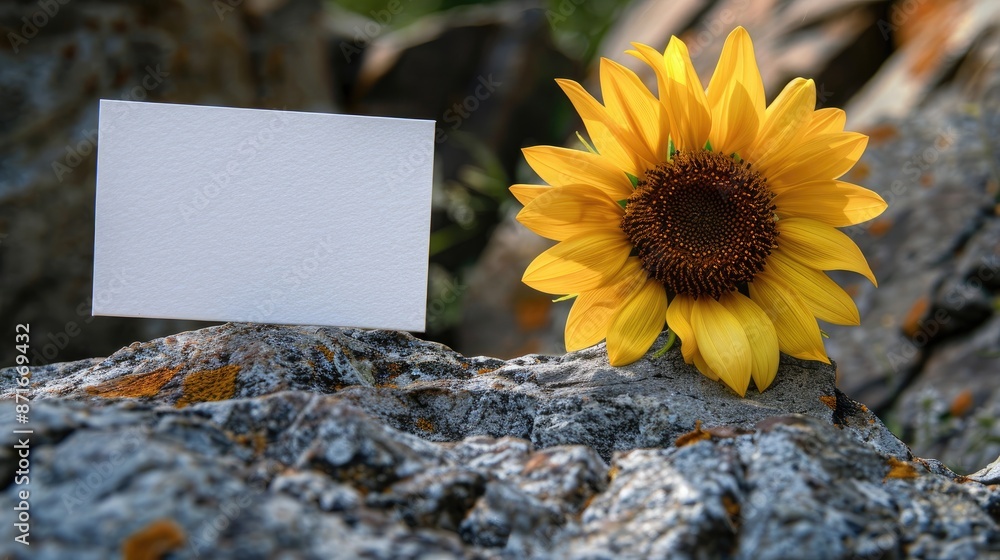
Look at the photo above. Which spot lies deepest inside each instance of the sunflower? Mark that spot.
(704, 209)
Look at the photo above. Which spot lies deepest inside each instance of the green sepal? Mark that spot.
(633, 179)
(585, 143)
(823, 334)
(671, 148)
(736, 157)
(708, 145)
(671, 338)
(623, 202)
(564, 298)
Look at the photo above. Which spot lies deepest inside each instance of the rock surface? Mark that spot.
(252, 441)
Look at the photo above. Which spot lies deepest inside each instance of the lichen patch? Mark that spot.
(208, 385)
(153, 541)
(136, 385)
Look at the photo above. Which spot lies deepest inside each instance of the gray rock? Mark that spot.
(251, 441)
(952, 411)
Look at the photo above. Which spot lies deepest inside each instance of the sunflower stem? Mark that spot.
(585, 143)
(670, 342)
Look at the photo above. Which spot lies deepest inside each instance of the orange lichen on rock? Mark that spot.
(878, 228)
(154, 541)
(387, 373)
(882, 133)
(134, 386)
(860, 172)
(326, 352)
(914, 317)
(425, 424)
(733, 509)
(693, 436)
(209, 385)
(901, 469)
(961, 404)
(829, 400)
(532, 313)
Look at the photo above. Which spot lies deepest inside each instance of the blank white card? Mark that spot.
(224, 214)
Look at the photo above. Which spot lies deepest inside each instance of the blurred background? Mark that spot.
(919, 76)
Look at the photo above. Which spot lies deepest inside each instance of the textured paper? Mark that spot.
(224, 214)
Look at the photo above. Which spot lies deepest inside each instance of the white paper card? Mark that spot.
(224, 214)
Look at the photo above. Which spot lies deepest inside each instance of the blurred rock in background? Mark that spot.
(53, 70)
(918, 76)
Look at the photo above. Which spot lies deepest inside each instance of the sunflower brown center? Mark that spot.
(703, 224)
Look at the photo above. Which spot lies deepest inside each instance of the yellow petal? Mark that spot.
(737, 126)
(827, 156)
(679, 321)
(561, 166)
(690, 122)
(736, 95)
(827, 301)
(654, 59)
(702, 366)
(565, 212)
(834, 203)
(760, 334)
(821, 247)
(785, 122)
(526, 193)
(580, 263)
(611, 140)
(798, 332)
(826, 120)
(722, 343)
(634, 107)
(637, 323)
(592, 311)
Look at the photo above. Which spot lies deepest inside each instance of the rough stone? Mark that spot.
(251, 441)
